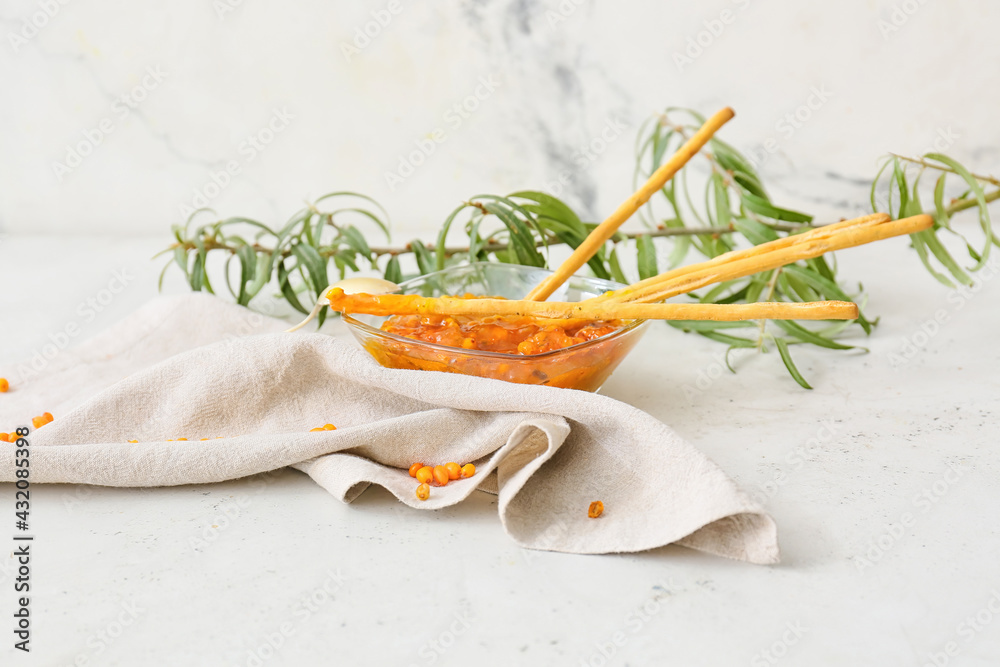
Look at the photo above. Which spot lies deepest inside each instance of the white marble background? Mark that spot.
(201, 77)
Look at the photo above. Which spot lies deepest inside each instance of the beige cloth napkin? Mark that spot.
(198, 367)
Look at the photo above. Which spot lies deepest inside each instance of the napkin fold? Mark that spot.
(197, 367)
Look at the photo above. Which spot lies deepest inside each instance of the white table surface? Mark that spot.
(197, 587)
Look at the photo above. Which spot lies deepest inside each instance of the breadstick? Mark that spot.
(596, 239)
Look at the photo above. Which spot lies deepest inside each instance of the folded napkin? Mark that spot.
(198, 367)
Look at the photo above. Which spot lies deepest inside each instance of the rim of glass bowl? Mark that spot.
(601, 282)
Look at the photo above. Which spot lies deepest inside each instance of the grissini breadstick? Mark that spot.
(410, 304)
(597, 238)
(826, 231)
(709, 273)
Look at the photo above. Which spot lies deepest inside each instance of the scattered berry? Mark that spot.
(454, 470)
(414, 468)
(423, 492)
(425, 474)
(4, 385)
(41, 421)
(596, 509)
(440, 475)
(468, 470)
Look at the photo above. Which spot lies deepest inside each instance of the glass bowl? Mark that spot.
(583, 366)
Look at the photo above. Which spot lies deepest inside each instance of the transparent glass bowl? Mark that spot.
(583, 366)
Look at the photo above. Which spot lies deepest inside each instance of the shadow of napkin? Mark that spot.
(198, 367)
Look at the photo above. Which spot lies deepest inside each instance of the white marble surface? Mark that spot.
(841, 468)
(561, 72)
(215, 571)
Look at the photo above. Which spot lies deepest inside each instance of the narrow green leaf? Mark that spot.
(763, 207)
(786, 357)
(647, 257)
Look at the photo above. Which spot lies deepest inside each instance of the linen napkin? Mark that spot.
(197, 367)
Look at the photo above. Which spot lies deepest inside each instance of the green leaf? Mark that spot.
(977, 191)
(248, 268)
(786, 357)
(262, 274)
(393, 272)
(647, 257)
(315, 266)
(941, 253)
(763, 207)
(756, 232)
(424, 260)
(287, 290)
(723, 216)
(616, 269)
(522, 241)
(732, 341)
(709, 325)
(920, 245)
(807, 336)
(357, 241)
(826, 287)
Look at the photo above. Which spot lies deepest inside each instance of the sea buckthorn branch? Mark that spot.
(708, 211)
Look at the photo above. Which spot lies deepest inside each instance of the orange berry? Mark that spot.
(179, 439)
(4, 385)
(596, 509)
(454, 470)
(425, 474)
(423, 492)
(48, 417)
(468, 470)
(4, 437)
(133, 441)
(329, 427)
(203, 439)
(414, 468)
(38, 422)
(440, 475)
(318, 428)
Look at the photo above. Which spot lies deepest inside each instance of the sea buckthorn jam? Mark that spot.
(509, 335)
(520, 338)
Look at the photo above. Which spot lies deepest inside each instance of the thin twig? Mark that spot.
(931, 165)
